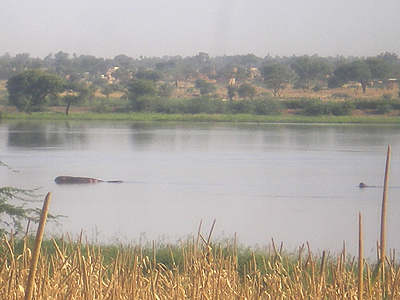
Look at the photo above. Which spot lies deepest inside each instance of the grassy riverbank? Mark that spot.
(58, 116)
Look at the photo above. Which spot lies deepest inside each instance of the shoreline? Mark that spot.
(79, 115)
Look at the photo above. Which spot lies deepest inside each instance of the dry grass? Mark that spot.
(289, 92)
(79, 271)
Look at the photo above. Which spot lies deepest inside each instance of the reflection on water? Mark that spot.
(293, 183)
(34, 134)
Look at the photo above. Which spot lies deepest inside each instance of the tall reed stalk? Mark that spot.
(36, 249)
(384, 222)
(360, 258)
(384, 210)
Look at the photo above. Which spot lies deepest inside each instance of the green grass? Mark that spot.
(55, 116)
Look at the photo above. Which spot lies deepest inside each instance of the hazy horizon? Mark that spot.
(218, 27)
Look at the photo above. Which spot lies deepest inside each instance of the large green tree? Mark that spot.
(205, 87)
(247, 90)
(358, 71)
(148, 75)
(276, 77)
(76, 92)
(28, 90)
(309, 69)
(379, 68)
(136, 91)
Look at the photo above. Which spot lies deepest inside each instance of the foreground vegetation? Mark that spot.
(195, 269)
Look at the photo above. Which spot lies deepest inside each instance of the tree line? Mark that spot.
(34, 83)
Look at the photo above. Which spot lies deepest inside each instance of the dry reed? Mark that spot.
(79, 271)
(36, 249)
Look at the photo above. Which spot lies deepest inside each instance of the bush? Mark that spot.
(317, 88)
(377, 104)
(365, 104)
(240, 106)
(293, 103)
(395, 104)
(334, 82)
(299, 85)
(141, 103)
(205, 87)
(383, 108)
(316, 107)
(246, 90)
(203, 105)
(267, 107)
(339, 108)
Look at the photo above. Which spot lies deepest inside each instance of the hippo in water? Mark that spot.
(72, 180)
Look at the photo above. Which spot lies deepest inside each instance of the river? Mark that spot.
(293, 183)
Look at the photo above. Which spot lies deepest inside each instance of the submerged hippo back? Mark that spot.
(72, 180)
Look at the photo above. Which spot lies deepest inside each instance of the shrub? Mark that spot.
(202, 105)
(240, 106)
(293, 103)
(246, 90)
(317, 88)
(334, 82)
(267, 107)
(387, 97)
(205, 87)
(383, 108)
(337, 108)
(314, 107)
(395, 104)
(378, 104)
(298, 85)
(141, 103)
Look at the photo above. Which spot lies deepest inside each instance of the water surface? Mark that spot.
(293, 183)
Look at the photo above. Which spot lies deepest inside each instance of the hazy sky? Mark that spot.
(106, 28)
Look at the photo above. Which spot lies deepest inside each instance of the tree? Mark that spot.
(165, 90)
(122, 76)
(310, 68)
(76, 93)
(379, 68)
(62, 64)
(357, 70)
(247, 90)
(148, 75)
(28, 90)
(137, 89)
(232, 90)
(276, 77)
(205, 87)
(14, 215)
(6, 67)
(108, 89)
